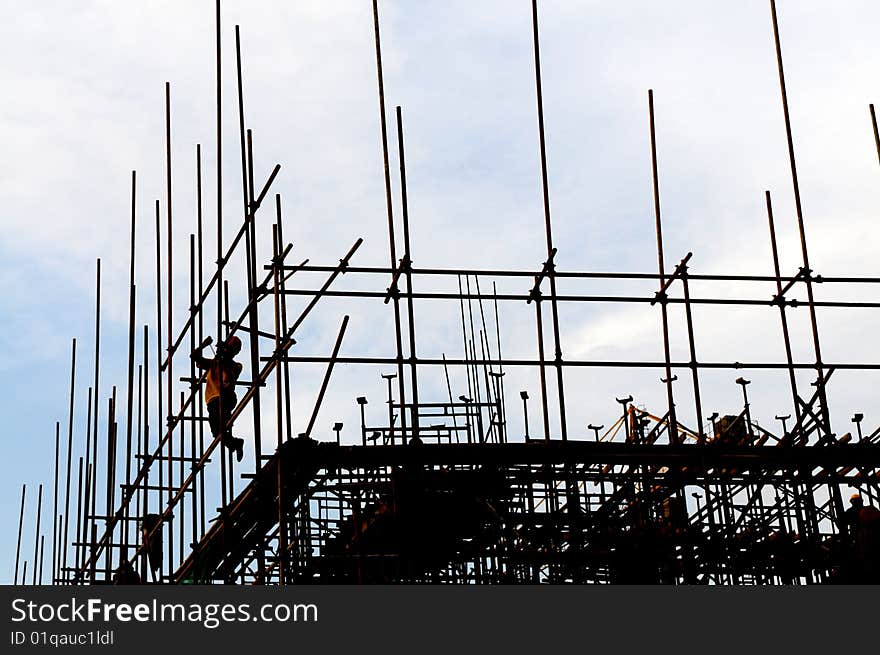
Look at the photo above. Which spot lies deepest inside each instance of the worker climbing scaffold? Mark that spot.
(223, 371)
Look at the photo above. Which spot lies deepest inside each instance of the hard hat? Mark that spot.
(234, 343)
(855, 497)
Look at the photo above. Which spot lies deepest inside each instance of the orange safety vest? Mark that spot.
(214, 384)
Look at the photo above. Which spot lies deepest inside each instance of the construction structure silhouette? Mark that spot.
(446, 490)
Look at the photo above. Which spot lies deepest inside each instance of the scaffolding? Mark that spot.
(447, 490)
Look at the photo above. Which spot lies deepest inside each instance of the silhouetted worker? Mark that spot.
(151, 537)
(863, 526)
(125, 574)
(783, 551)
(220, 396)
(851, 516)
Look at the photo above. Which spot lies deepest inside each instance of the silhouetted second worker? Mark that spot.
(863, 525)
(223, 371)
(125, 574)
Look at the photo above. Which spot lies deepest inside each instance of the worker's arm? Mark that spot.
(198, 359)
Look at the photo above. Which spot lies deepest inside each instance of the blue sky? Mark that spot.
(85, 107)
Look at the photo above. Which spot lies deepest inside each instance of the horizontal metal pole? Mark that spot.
(531, 273)
(152, 487)
(709, 455)
(518, 297)
(424, 361)
(165, 458)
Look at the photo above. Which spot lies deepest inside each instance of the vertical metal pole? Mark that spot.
(500, 361)
(200, 400)
(37, 534)
(451, 405)
(148, 463)
(803, 525)
(223, 485)
(279, 414)
(407, 253)
(247, 179)
(484, 333)
(551, 270)
(545, 414)
(193, 390)
(695, 374)
(467, 368)
(42, 556)
(83, 534)
(673, 422)
(130, 390)
(220, 332)
(476, 397)
(392, 249)
(253, 320)
(111, 481)
(18, 542)
(60, 522)
(55, 536)
(477, 400)
(277, 335)
(168, 323)
(363, 421)
(246, 189)
(161, 422)
(802, 230)
(230, 470)
(95, 396)
(79, 498)
(792, 380)
(837, 501)
(62, 555)
(219, 185)
(484, 357)
(94, 543)
(124, 495)
(390, 377)
(180, 471)
(287, 395)
(140, 441)
(876, 132)
(489, 370)
(83, 548)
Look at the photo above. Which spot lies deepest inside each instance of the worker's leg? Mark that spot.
(214, 416)
(219, 410)
(228, 403)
